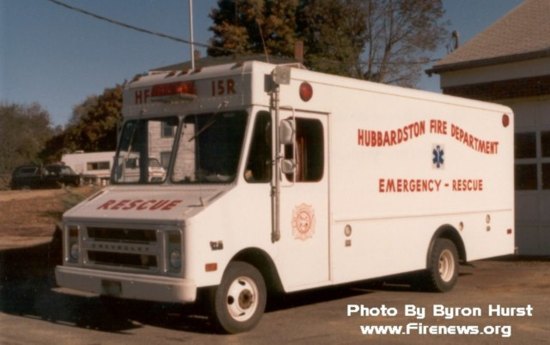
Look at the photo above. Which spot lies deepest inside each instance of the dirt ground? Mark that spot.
(29, 217)
(33, 310)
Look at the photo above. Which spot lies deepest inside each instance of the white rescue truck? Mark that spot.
(282, 179)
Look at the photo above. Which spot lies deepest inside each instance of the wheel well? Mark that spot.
(263, 262)
(450, 233)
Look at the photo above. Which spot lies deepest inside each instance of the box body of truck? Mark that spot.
(280, 178)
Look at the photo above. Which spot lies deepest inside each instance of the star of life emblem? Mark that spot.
(438, 161)
(303, 222)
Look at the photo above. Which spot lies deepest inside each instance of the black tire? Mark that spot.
(238, 303)
(443, 266)
(55, 248)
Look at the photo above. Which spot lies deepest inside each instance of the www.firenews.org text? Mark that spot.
(441, 313)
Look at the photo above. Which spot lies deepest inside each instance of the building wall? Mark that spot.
(525, 87)
(533, 188)
(507, 71)
(160, 147)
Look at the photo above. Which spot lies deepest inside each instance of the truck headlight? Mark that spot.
(175, 259)
(74, 252)
(73, 244)
(173, 251)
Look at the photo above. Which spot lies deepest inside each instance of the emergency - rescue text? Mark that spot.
(401, 185)
(374, 138)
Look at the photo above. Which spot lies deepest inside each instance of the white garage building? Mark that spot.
(509, 63)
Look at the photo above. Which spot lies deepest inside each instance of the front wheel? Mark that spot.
(238, 303)
(442, 266)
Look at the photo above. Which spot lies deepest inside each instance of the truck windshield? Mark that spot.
(144, 150)
(204, 148)
(209, 147)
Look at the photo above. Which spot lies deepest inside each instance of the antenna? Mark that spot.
(455, 41)
(263, 41)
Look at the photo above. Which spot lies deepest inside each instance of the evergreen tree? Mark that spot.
(334, 34)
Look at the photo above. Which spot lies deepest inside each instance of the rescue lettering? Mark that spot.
(392, 137)
(468, 185)
(140, 205)
(408, 185)
(411, 185)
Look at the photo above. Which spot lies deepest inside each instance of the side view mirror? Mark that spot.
(286, 132)
(288, 166)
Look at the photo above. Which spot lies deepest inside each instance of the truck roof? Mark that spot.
(250, 78)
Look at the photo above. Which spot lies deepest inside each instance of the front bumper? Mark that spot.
(127, 285)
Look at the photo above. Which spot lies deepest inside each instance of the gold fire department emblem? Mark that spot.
(303, 222)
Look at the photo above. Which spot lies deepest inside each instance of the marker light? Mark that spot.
(505, 120)
(306, 91)
(211, 267)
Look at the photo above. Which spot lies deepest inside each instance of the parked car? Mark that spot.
(62, 175)
(130, 172)
(49, 176)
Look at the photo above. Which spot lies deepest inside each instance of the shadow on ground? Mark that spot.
(27, 288)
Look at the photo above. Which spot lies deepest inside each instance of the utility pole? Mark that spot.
(191, 34)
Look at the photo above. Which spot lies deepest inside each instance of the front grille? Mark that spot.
(123, 260)
(131, 248)
(122, 235)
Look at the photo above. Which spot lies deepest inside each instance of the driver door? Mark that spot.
(303, 213)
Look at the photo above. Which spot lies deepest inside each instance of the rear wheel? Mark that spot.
(442, 266)
(238, 303)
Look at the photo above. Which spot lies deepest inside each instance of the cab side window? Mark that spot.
(308, 153)
(258, 166)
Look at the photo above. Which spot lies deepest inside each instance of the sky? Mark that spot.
(57, 57)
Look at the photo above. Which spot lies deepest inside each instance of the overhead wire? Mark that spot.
(135, 28)
(175, 38)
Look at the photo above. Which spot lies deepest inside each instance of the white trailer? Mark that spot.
(283, 179)
(95, 167)
(92, 166)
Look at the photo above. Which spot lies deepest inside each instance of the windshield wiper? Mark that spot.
(205, 127)
(212, 120)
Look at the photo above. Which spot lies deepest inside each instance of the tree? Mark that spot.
(334, 32)
(24, 129)
(81, 110)
(244, 27)
(400, 36)
(93, 126)
(380, 40)
(97, 128)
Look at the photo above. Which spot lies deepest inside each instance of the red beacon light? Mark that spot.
(306, 91)
(183, 91)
